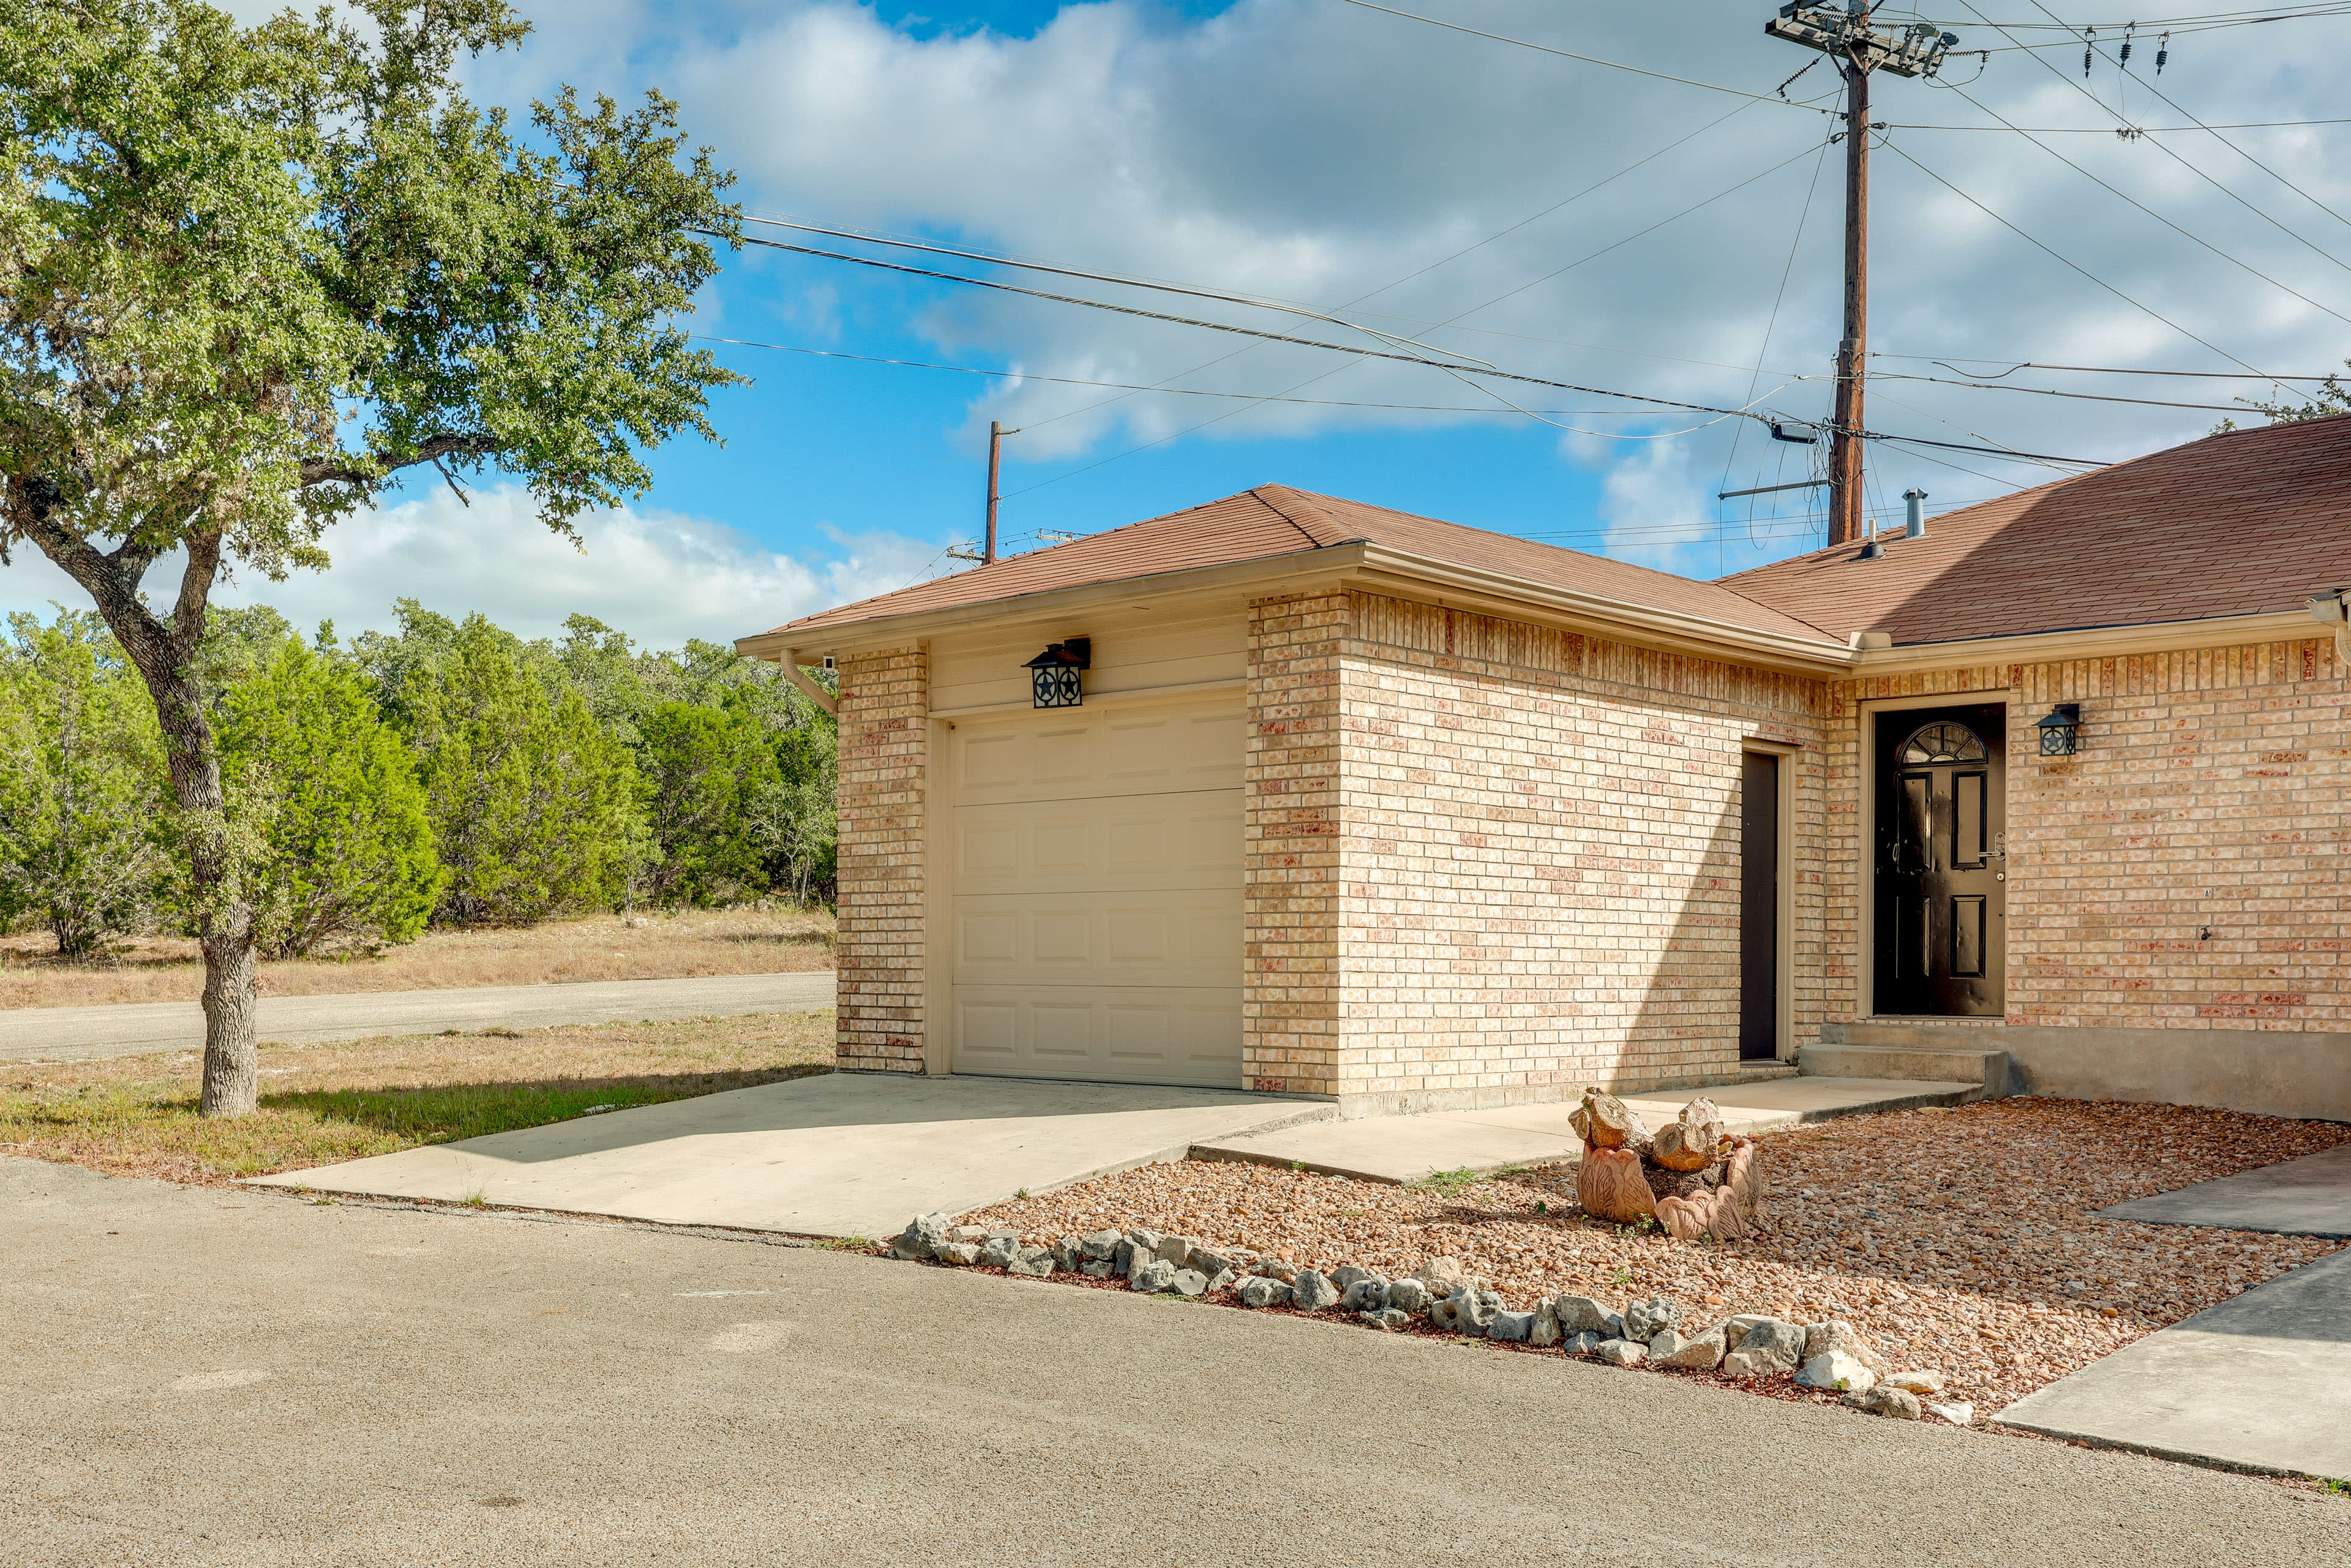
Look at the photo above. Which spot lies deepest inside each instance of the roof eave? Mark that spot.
(806, 643)
(2092, 643)
(1472, 587)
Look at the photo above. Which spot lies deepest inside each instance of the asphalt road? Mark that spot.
(135, 1029)
(199, 1376)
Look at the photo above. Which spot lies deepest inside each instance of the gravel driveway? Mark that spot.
(1960, 1240)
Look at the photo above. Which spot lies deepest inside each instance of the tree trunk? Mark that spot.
(223, 917)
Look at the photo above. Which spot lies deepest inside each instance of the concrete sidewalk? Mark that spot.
(2308, 1196)
(2261, 1382)
(847, 1154)
(1409, 1148)
(137, 1028)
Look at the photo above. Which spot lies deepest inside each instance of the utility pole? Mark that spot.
(1845, 490)
(995, 434)
(1847, 36)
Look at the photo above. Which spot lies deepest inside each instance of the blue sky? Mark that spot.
(1317, 151)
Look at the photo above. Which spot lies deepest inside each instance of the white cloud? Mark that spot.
(1318, 151)
(660, 577)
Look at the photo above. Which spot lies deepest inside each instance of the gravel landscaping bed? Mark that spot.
(1959, 1241)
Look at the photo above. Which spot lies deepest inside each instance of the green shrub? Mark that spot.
(343, 848)
(82, 805)
(532, 801)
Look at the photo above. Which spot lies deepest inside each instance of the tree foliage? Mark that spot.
(248, 275)
(82, 782)
(530, 800)
(345, 854)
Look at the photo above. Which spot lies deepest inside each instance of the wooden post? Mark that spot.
(1853, 352)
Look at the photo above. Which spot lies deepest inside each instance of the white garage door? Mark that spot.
(1097, 894)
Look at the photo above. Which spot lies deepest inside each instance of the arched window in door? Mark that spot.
(1942, 742)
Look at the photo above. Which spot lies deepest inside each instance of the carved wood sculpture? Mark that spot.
(1610, 1186)
(1604, 1122)
(1691, 1178)
(1691, 1143)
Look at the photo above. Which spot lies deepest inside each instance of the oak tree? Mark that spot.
(249, 275)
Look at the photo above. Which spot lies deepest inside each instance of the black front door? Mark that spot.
(1941, 878)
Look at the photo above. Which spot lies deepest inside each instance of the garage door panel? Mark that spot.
(1119, 751)
(1142, 1035)
(1131, 938)
(1191, 839)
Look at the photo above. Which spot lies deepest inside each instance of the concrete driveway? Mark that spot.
(135, 1029)
(206, 1379)
(846, 1153)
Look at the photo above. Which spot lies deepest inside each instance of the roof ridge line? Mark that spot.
(1260, 492)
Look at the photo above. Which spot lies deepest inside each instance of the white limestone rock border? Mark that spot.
(1831, 1356)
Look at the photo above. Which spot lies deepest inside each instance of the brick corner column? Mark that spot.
(1290, 833)
(880, 956)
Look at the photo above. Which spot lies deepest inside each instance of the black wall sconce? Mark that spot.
(2061, 731)
(1055, 673)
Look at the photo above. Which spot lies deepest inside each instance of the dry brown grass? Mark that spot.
(321, 1103)
(599, 947)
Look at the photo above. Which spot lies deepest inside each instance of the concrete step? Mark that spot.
(1988, 1069)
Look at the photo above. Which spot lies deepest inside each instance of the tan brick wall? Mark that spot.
(1488, 859)
(885, 735)
(2209, 791)
(1289, 841)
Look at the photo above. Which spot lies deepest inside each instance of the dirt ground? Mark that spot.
(597, 947)
(321, 1103)
(1960, 1241)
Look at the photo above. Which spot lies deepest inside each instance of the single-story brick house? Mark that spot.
(1363, 805)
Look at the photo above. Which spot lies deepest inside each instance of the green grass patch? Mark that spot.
(1448, 1182)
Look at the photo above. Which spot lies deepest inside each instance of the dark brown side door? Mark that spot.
(1759, 907)
(1941, 896)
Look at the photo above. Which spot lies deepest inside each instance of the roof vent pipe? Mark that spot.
(1915, 527)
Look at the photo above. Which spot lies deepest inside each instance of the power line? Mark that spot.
(1897, 150)
(2017, 365)
(2047, 391)
(1091, 276)
(1228, 327)
(1171, 391)
(2176, 228)
(2126, 128)
(1588, 59)
(2174, 157)
(1145, 446)
(2223, 141)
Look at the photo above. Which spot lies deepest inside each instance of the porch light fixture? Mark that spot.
(2061, 730)
(1054, 672)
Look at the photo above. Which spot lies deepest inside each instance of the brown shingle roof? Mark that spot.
(1275, 520)
(2232, 525)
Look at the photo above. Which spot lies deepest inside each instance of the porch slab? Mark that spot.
(1410, 1148)
(2259, 1383)
(2305, 1196)
(845, 1154)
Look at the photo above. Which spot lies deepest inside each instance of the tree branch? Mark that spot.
(328, 471)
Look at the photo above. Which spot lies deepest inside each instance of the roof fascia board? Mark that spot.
(1469, 587)
(810, 643)
(2091, 643)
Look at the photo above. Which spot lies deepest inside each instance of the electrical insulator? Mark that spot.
(2162, 52)
(2089, 46)
(2127, 45)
